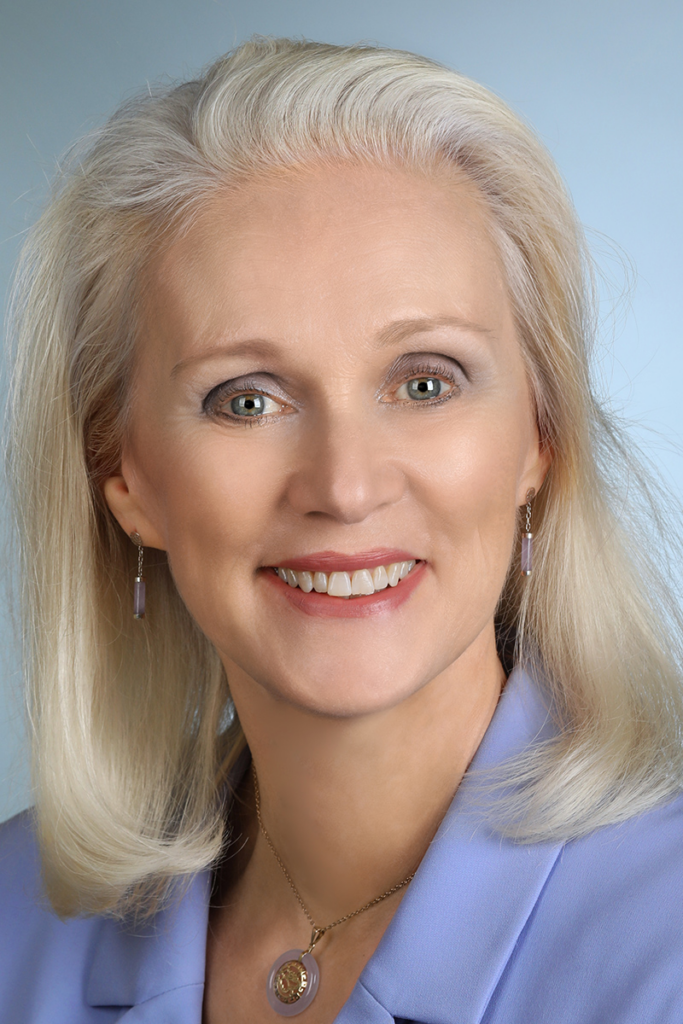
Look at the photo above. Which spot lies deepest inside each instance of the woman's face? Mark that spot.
(329, 380)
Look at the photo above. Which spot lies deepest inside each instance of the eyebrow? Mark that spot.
(259, 347)
(392, 334)
(401, 329)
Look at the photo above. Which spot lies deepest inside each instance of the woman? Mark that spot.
(302, 376)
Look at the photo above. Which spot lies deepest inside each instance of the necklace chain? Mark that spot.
(317, 932)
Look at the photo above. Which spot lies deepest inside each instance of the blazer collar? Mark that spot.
(455, 929)
(444, 951)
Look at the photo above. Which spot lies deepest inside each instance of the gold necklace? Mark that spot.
(294, 977)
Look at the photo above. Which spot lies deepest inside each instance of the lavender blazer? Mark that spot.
(489, 932)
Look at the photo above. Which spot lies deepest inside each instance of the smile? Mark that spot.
(356, 583)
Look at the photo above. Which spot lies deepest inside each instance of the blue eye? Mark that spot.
(420, 389)
(248, 405)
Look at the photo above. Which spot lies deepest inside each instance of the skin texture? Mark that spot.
(328, 288)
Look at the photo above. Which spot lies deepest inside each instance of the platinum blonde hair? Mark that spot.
(132, 723)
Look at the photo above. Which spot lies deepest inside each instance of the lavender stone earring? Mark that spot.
(528, 537)
(139, 587)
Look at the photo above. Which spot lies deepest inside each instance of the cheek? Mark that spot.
(213, 500)
(469, 484)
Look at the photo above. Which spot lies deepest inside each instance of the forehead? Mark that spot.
(344, 246)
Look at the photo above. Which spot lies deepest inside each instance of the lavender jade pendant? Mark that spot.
(139, 598)
(292, 982)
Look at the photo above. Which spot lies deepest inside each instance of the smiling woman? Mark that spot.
(306, 342)
(322, 297)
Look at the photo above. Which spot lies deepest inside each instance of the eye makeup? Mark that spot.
(253, 399)
(426, 370)
(222, 397)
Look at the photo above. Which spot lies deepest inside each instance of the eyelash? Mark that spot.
(439, 371)
(227, 391)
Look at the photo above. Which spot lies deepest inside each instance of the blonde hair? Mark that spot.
(132, 723)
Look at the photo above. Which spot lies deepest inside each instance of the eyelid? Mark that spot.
(241, 385)
(427, 365)
(229, 389)
(416, 363)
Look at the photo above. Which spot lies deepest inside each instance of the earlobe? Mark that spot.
(126, 509)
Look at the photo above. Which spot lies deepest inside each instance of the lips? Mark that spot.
(356, 593)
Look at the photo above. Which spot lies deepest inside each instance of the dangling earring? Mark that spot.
(139, 587)
(528, 537)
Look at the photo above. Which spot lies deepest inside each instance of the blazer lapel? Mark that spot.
(179, 1006)
(456, 928)
(362, 1006)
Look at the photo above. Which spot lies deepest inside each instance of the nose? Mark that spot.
(346, 469)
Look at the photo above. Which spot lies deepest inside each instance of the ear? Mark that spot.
(536, 467)
(126, 508)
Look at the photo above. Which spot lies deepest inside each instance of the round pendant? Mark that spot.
(292, 982)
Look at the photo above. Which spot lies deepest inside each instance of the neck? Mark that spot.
(351, 804)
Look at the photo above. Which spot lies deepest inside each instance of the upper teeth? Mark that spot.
(348, 584)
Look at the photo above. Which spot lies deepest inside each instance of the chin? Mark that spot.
(350, 689)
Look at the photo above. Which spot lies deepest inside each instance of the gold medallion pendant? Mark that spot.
(292, 982)
(294, 977)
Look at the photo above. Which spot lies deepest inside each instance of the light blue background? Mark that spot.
(601, 80)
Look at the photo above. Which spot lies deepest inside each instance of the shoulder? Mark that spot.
(19, 865)
(21, 900)
(607, 929)
(639, 857)
(626, 874)
(42, 958)
(93, 970)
